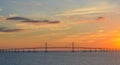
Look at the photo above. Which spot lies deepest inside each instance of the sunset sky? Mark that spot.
(31, 23)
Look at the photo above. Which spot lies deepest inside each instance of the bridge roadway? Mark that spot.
(72, 48)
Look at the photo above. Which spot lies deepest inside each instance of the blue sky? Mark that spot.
(48, 7)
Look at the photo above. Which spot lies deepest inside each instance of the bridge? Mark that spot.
(72, 48)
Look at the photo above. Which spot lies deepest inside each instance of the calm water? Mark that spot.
(61, 58)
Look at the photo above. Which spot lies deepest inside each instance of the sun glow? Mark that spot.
(116, 42)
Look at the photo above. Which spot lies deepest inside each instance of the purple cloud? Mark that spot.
(27, 20)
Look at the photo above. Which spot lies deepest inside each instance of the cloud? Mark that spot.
(17, 18)
(101, 19)
(88, 10)
(10, 27)
(19, 24)
(84, 11)
(5, 29)
(27, 20)
(41, 21)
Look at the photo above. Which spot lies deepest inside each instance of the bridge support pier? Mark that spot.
(73, 48)
(46, 47)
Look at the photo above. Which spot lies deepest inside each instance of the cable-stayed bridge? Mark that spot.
(72, 48)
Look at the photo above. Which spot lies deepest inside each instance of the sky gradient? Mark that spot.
(31, 23)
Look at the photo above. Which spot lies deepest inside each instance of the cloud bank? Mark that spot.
(18, 24)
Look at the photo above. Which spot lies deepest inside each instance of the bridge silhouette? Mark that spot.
(72, 48)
